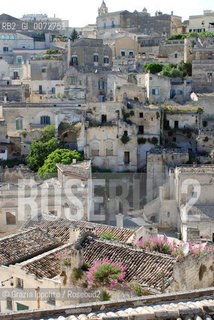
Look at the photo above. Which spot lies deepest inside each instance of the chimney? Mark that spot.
(74, 161)
(74, 234)
(119, 220)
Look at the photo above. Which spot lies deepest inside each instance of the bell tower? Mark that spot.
(103, 9)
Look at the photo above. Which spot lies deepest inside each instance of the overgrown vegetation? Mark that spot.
(77, 273)
(10, 163)
(108, 236)
(105, 273)
(105, 296)
(125, 139)
(63, 156)
(183, 69)
(193, 34)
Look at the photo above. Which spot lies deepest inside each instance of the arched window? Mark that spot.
(45, 120)
(8, 37)
(3, 37)
(109, 148)
(10, 218)
(95, 149)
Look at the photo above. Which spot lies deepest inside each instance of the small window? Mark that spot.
(194, 195)
(131, 53)
(5, 49)
(141, 114)
(96, 58)
(13, 37)
(19, 283)
(19, 124)
(125, 133)
(44, 70)
(80, 82)
(179, 92)
(53, 90)
(74, 61)
(3, 37)
(174, 139)
(106, 60)
(101, 84)
(40, 89)
(10, 218)
(8, 37)
(72, 81)
(176, 124)
(9, 303)
(176, 55)
(19, 60)
(123, 53)
(45, 120)
(112, 24)
(21, 307)
(141, 130)
(104, 118)
(126, 157)
(209, 77)
(155, 92)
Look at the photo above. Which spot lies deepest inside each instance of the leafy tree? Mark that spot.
(74, 35)
(63, 156)
(153, 67)
(186, 68)
(39, 151)
(48, 133)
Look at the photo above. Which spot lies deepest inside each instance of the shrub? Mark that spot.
(141, 140)
(86, 266)
(77, 273)
(64, 257)
(105, 296)
(24, 133)
(10, 163)
(206, 139)
(48, 133)
(135, 288)
(108, 236)
(154, 140)
(125, 139)
(63, 156)
(106, 273)
(153, 67)
(159, 244)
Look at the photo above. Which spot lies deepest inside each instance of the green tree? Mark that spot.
(74, 35)
(63, 156)
(39, 151)
(153, 67)
(48, 133)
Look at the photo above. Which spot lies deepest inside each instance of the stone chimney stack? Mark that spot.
(119, 219)
(74, 234)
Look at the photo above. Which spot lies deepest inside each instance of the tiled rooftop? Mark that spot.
(60, 228)
(23, 245)
(149, 267)
(81, 169)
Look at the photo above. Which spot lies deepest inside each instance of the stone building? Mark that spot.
(160, 89)
(137, 22)
(91, 53)
(201, 23)
(203, 65)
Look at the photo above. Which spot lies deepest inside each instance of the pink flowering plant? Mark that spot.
(64, 257)
(164, 246)
(106, 273)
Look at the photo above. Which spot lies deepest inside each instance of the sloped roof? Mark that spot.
(7, 17)
(24, 245)
(59, 228)
(81, 169)
(148, 267)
